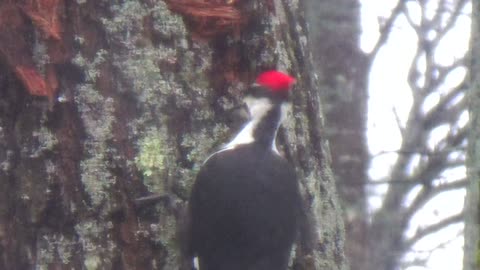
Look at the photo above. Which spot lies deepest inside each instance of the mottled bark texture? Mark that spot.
(343, 66)
(471, 256)
(141, 101)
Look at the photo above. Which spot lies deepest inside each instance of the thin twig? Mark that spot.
(421, 233)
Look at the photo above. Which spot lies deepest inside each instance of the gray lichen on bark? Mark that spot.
(139, 89)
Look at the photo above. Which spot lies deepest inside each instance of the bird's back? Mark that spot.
(244, 210)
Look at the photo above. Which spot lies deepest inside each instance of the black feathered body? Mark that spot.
(245, 204)
(244, 210)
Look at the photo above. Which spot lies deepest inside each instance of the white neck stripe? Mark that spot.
(258, 108)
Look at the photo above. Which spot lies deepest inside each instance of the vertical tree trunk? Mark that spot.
(139, 96)
(335, 44)
(471, 259)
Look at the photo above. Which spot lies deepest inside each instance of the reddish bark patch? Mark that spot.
(33, 82)
(44, 14)
(209, 18)
(17, 51)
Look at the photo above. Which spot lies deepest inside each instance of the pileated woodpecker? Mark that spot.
(245, 202)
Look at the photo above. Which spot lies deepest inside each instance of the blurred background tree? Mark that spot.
(472, 202)
(105, 102)
(398, 154)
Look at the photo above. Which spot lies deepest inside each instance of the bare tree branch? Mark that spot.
(443, 103)
(451, 20)
(401, 129)
(414, 75)
(419, 261)
(418, 163)
(455, 163)
(410, 21)
(445, 115)
(427, 193)
(386, 29)
(438, 160)
(408, 243)
(424, 152)
(442, 244)
(436, 21)
(440, 73)
(454, 139)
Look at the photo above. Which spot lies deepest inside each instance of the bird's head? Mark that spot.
(274, 85)
(270, 89)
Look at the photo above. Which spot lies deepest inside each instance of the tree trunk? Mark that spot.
(471, 259)
(335, 45)
(138, 96)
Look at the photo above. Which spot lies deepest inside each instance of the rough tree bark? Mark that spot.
(138, 97)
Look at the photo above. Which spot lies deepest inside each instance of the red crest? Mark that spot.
(275, 80)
